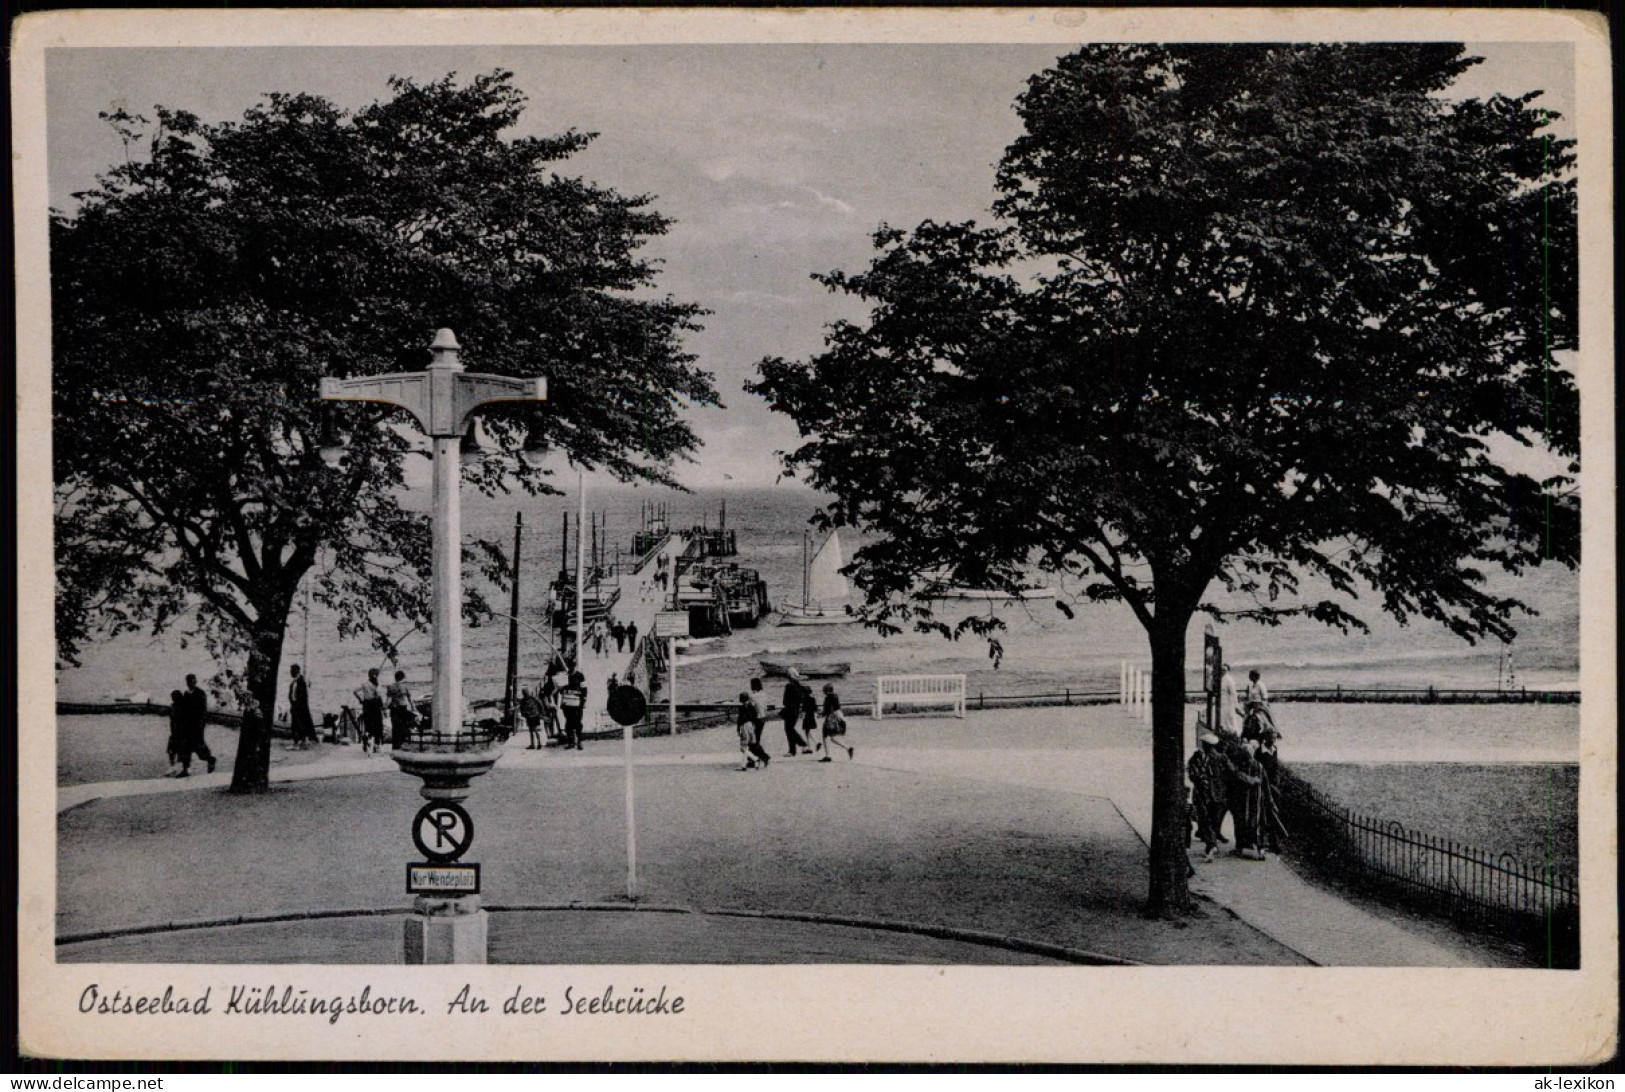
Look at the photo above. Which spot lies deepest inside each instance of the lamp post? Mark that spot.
(449, 926)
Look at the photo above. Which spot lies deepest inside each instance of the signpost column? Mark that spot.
(448, 925)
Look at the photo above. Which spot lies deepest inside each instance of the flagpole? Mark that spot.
(581, 567)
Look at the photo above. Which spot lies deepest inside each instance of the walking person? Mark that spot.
(618, 631)
(1272, 829)
(549, 698)
(1206, 771)
(195, 714)
(750, 732)
(403, 713)
(177, 732)
(303, 724)
(1244, 781)
(759, 697)
(791, 713)
(834, 725)
(632, 635)
(573, 702)
(530, 707)
(371, 700)
(809, 716)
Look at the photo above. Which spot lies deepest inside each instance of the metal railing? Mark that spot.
(470, 737)
(1426, 695)
(1537, 906)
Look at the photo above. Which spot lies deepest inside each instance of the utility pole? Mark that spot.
(510, 699)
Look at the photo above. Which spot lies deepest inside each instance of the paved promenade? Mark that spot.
(1068, 788)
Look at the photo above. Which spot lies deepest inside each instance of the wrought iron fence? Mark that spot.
(1536, 906)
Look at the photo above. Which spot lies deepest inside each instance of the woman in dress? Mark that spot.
(834, 724)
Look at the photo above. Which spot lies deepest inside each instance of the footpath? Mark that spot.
(1097, 753)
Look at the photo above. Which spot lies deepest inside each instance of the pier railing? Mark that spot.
(1534, 906)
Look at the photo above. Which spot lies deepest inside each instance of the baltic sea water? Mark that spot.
(1044, 651)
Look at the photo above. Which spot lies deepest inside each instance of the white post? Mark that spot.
(671, 681)
(1122, 682)
(631, 820)
(447, 585)
(1145, 696)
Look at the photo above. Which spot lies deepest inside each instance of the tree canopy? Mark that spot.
(1259, 319)
(201, 290)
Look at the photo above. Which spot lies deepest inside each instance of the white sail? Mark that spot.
(827, 589)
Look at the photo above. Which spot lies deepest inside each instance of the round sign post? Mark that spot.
(627, 707)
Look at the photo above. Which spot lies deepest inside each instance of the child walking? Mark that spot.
(834, 725)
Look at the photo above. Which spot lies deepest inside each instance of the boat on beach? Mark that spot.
(806, 669)
(824, 588)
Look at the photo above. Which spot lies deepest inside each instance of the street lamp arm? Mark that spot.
(474, 391)
(545, 637)
(408, 392)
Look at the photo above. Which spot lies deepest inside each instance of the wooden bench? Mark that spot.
(920, 690)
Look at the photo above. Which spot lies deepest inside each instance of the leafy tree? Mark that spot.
(1259, 319)
(201, 290)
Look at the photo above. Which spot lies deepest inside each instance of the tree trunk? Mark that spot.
(1170, 858)
(252, 769)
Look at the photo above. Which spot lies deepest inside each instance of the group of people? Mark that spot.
(1235, 771)
(803, 716)
(188, 711)
(554, 708)
(601, 631)
(395, 701)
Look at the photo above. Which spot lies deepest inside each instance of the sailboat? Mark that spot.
(824, 590)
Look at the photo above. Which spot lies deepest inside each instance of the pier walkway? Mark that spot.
(639, 601)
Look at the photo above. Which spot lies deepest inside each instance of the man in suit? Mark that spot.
(794, 694)
(194, 712)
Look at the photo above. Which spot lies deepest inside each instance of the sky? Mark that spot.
(775, 161)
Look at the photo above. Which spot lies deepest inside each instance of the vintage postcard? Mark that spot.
(961, 536)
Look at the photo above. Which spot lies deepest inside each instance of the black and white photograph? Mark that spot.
(840, 536)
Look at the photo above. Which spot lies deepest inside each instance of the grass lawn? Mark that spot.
(1528, 810)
